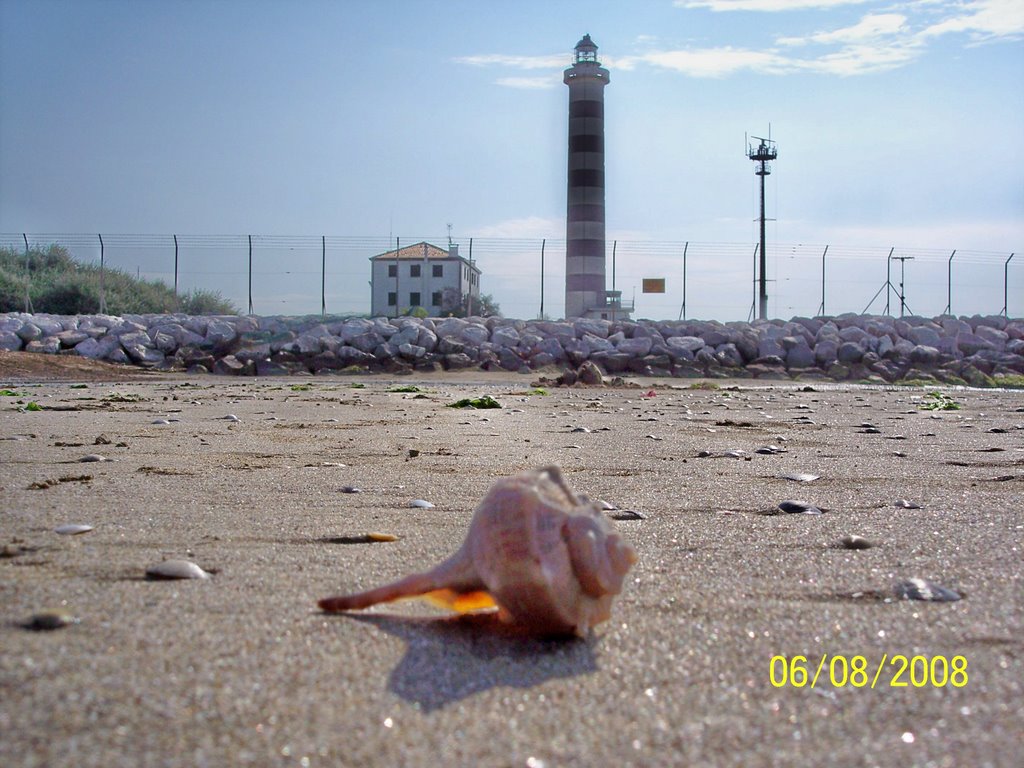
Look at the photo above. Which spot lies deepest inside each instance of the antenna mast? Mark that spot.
(762, 154)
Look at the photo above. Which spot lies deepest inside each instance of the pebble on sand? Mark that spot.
(922, 589)
(421, 504)
(72, 529)
(176, 569)
(904, 504)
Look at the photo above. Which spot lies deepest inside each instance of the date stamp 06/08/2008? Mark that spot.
(896, 671)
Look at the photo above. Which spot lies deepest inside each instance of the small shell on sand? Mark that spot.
(49, 620)
(381, 537)
(797, 507)
(800, 477)
(72, 529)
(421, 504)
(904, 504)
(922, 589)
(176, 569)
(90, 457)
(853, 541)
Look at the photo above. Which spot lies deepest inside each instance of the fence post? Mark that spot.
(250, 274)
(949, 285)
(323, 275)
(103, 285)
(175, 271)
(469, 306)
(542, 244)
(888, 279)
(682, 308)
(1006, 272)
(28, 278)
(821, 309)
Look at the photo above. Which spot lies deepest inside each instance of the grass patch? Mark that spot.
(1010, 381)
(476, 402)
(117, 397)
(410, 388)
(300, 387)
(937, 401)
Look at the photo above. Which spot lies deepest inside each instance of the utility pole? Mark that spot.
(763, 154)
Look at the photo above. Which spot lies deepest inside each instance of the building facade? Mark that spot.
(438, 280)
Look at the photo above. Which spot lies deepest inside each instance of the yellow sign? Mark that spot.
(654, 285)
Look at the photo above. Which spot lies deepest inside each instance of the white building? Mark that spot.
(421, 275)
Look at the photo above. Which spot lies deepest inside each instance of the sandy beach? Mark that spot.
(243, 669)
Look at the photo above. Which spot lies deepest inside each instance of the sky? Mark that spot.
(899, 125)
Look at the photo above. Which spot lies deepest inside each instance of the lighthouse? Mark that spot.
(585, 294)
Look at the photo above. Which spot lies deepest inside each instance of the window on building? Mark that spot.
(439, 270)
(414, 270)
(392, 298)
(414, 299)
(435, 299)
(392, 270)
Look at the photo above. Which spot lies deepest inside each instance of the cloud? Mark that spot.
(983, 20)
(516, 62)
(535, 227)
(718, 62)
(764, 5)
(529, 83)
(871, 27)
(879, 42)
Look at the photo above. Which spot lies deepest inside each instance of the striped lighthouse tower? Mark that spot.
(585, 249)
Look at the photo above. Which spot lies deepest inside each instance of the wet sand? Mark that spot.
(243, 669)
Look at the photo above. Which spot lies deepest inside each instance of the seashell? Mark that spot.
(853, 541)
(72, 529)
(176, 569)
(922, 589)
(904, 504)
(46, 621)
(795, 506)
(800, 477)
(91, 457)
(547, 558)
(421, 504)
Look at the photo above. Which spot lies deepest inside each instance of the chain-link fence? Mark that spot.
(298, 275)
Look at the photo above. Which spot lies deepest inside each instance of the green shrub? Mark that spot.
(62, 286)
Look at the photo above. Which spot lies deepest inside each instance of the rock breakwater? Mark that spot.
(978, 350)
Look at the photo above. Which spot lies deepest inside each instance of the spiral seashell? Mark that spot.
(547, 558)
